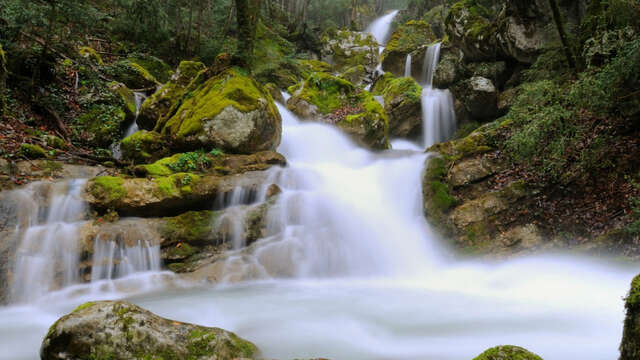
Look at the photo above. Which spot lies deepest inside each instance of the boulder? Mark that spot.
(344, 49)
(474, 34)
(127, 97)
(230, 111)
(160, 70)
(630, 345)
(406, 39)
(402, 104)
(133, 75)
(160, 103)
(449, 69)
(357, 75)
(120, 330)
(495, 71)
(333, 100)
(144, 146)
(479, 96)
(101, 125)
(507, 352)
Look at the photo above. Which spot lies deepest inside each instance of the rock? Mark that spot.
(313, 66)
(165, 195)
(127, 97)
(230, 112)
(479, 96)
(102, 124)
(144, 146)
(406, 39)
(630, 345)
(449, 70)
(160, 103)
(344, 49)
(471, 170)
(506, 99)
(495, 71)
(133, 75)
(31, 151)
(402, 105)
(472, 33)
(525, 237)
(507, 352)
(90, 53)
(275, 92)
(121, 330)
(160, 70)
(333, 100)
(357, 75)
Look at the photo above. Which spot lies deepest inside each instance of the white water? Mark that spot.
(381, 28)
(367, 279)
(407, 66)
(438, 116)
(139, 98)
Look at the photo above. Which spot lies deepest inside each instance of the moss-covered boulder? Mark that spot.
(160, 70)
(402, 105)
(159, 104)
(630, 345)
(345, 49)
(406, 39)
(333, 100)
(230, 112)
(120, 330)
(473, 33)
(127, 96)
(91, 54)
(31, 151)
(144, 146)
(449, 70)
(356, 75)
(133, 75)
(165, 195)
(101, 125)
(507, 352)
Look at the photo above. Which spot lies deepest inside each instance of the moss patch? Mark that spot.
(191, 227)
(107, 188)
(31, 151)
(507, 352)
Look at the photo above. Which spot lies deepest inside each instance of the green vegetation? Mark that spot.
(107, 188)
(507, 352)
(31, 151)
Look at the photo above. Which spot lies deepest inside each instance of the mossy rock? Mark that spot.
(331, 99)
(402, 103)
(127, 96)
(90, 53)
(345, 49)
(230, 112)
(273, 60)
(144, 146)
(107, 188)
(404, 40)
(507, 352)
(312, 66)
(31, 151)
(55, 142)
(630, 345)
(159, 105)
(160, 70)
(101, 125)
(473, 33)
(131, 74)
(356, 75)
(119, 330)
(437, 198)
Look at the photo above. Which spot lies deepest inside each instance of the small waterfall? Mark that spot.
(139, 98)
(438, 115)
(407, 66)
(114, 259)
(381, 27)
(47, 254)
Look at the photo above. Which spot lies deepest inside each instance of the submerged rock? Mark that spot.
(120, 330)
(507, 352)
(333, 100)
(230, 112)
(160, 103)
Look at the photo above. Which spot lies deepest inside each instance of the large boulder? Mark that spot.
(474, 34)
(333, 100)
(479, 96)
(449, 69)
(630, 346)
(402, 104)
(159, 104)
(406, 39)
(344, 49)
(120, 330)
(507, 352)
(230, 112)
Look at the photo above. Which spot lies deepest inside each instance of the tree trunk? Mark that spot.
(248, 12)
(557, 18)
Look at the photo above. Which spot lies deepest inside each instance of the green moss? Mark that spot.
(55, 142)
(31, 151)
(382, 83)
(191, 227)
(507, 352)
(144, 146)
(405, 87)
(101, 125)
(312, 66)
(247, 349)
(157, 68)
(84, 306)
(144, 73)
(127, 96)
(441, 196)
(182, 251)
(176, 267)
(327, 92)
(227, 89)
(409, 37)
(175, 185)
(107, 188)
(91, 54)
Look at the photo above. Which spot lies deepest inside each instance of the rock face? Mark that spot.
(230, 112)
(402, 104)
(507, 352)
(406, 39)
(479, 96)
(345, 49)
(326, 98)
(472, 33)
(120, 330)
(160, 103)
(630, 346)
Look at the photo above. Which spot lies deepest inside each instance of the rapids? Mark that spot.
(366, 277)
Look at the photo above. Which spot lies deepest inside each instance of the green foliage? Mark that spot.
(31, 151)
(101, 125)
(191, 161)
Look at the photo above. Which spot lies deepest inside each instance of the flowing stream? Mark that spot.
(350, 270)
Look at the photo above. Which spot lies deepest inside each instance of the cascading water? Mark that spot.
(438, 116)
(407, 66)
(139, 98)
(381, 27)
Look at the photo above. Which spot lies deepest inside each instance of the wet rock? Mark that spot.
(121, 330)
(357, 75)
(160, 103)
(127, 97)
(507, 352)
(525, 237)
(406, 39)
(449, 69)
(630, 345)
(231, 112)
(330, 99)
(402, 105)
(345, 49)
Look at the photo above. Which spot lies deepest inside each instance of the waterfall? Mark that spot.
(47, 254)
(115, 259)
(407, 66)
(438, 115)
(381, 27)
(139, 98)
